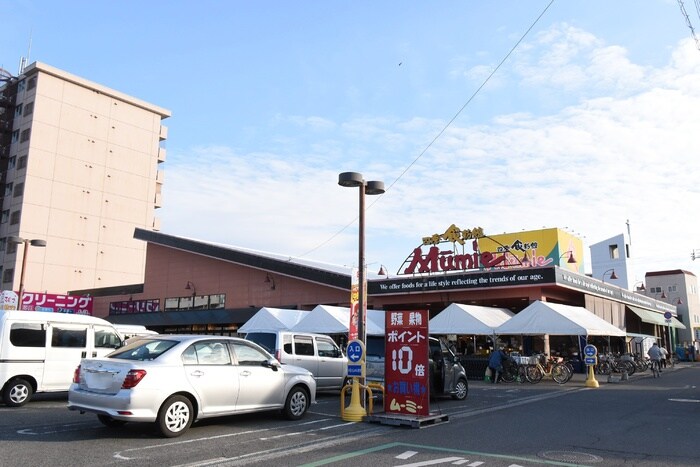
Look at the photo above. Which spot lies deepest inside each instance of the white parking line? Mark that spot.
(284, 435)
(444, 460)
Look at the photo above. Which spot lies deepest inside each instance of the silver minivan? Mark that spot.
(317, 353)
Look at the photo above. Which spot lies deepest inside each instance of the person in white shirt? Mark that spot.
(664, 356)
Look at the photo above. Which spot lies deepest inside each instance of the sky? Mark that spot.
(506, 115)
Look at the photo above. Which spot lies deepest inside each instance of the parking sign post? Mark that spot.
(355, 412)
(590, 359)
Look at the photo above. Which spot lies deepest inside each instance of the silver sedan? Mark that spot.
(174, 380)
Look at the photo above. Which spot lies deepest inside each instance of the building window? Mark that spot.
(22, 163)
(672, 288)
(25, 135)
(10, 247)
(654, 290)
(8, 189)
(31, 84)
(14, 218)
(29, 108)
(198, 302)
(12, 162)
(3, 243)
(18, 191)
(15, 136)
(8, 275)
(21, 85)
(18, 110)
(614, 252)
(5, 216)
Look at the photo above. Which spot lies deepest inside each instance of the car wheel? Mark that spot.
(17, 393)
(297, 403)
(461, 390)
(108, 421)
(175, 416)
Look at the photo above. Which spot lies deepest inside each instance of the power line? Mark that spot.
(443, 130)
(687, 20)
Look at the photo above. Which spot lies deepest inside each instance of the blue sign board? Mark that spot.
(668, 315)
(590, 350)
(355, 351)
(355, 370)
(589, 360)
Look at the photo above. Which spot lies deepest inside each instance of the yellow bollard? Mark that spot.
(590, 380)
(354, 412)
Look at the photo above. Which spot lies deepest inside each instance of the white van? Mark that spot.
(317, 353)
(39, 351)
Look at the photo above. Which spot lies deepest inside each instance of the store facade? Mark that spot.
(201, 287)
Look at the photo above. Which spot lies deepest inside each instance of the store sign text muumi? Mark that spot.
(437, 260)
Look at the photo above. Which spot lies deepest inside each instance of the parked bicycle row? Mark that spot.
(535, 368)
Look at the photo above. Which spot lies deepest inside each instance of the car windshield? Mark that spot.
(144, 349)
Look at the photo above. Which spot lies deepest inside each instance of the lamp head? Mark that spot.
(613, 276)
(350, 179)
(375, 187)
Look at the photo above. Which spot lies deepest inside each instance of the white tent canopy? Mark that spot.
(468, 319)
(326, 319)
(555, 319)
(272, 319)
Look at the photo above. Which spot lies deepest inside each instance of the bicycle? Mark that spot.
(608, 363)
(513, 371)
(656, 368)
(536, 371)
(640, 364)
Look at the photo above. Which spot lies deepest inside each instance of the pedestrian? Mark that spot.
(496, 363)
(655, 356)
(664, 356)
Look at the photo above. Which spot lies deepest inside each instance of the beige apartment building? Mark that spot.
(79, 171)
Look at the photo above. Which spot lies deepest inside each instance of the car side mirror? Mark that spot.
(273, 364)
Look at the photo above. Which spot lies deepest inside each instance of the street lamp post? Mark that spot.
(352, 180)
(27, 243)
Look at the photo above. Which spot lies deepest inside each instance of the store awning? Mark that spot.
(652, 317)
(556, 319)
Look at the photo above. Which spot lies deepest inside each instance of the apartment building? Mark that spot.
(680, 289)
(79, 171)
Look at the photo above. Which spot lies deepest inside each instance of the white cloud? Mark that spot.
(623, 147)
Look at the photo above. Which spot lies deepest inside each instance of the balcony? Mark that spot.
(161, 154)
(163, 133)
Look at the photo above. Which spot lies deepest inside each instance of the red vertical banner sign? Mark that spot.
(354, 305)
(406, 365)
